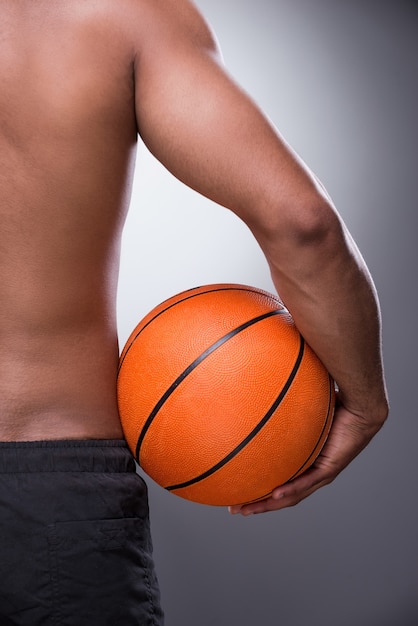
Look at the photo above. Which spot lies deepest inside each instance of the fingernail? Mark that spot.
(278, 495)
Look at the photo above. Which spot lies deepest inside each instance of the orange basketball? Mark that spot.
(221, 399)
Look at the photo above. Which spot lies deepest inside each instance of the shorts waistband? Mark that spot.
(86, 455)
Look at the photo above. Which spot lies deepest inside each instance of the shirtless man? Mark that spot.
(79, 79)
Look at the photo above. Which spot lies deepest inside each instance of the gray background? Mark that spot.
(339, 79)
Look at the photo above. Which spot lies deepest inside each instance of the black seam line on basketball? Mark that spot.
(266, 495)
(307, 463)
(194, 295)
(193, 366)
(255, 430)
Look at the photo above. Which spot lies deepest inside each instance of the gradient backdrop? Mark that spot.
(339, 79)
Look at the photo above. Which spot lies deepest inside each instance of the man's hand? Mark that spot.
(349, 435)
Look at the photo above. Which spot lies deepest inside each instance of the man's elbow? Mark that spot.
(304, 224)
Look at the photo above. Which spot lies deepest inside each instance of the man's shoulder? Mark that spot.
(150, 23)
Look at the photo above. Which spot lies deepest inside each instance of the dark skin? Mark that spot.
(80, 80)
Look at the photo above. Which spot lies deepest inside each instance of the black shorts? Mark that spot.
(75, 545)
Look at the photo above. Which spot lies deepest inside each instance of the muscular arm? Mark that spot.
(210, 135)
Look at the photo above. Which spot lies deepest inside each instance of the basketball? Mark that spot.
(221, 399)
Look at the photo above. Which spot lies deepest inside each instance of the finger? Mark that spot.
(287, 495)
(304, 485)
(281, 501)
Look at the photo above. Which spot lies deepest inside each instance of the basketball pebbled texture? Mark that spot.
(221, 400)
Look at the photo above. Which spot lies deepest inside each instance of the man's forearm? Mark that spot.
(324, 282)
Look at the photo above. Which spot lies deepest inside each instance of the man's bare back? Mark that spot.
(67, 149)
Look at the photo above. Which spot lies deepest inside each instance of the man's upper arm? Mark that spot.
(203, 127)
